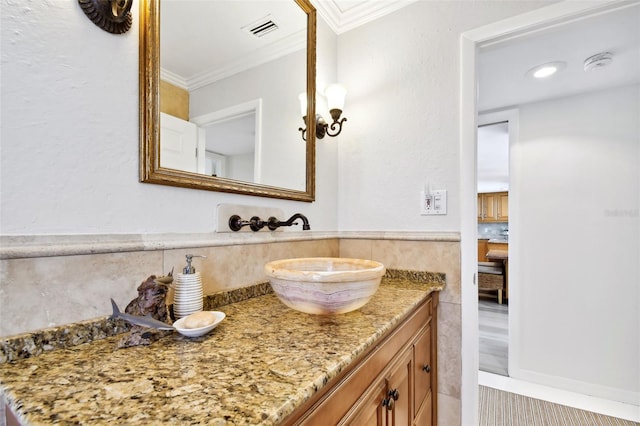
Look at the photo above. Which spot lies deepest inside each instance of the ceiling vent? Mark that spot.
(598, 61)
(262, 27)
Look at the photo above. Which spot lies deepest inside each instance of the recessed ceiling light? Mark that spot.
(546, 70)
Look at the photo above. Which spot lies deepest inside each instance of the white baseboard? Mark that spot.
(559, 396)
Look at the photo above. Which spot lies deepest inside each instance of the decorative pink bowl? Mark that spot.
(324, 285)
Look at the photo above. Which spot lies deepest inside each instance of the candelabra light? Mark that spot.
(335, 101)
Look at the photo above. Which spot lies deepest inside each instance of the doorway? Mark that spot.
(231, 140)
(555, 15)
(493, 241)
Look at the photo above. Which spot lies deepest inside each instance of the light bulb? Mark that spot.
(335, 96)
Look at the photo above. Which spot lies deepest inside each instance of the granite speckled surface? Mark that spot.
(256, 367)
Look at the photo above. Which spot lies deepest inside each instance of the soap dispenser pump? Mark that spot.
(188, 295)
(190, 269)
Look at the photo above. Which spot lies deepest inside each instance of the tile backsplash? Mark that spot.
(493, 230)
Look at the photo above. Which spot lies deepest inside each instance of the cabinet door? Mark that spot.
(422, 368)
(503, 207)
(423, 418)
(400, 391)
(480, 208)
(369, 411)
(491, 207)
(179, 144)
(482, 250)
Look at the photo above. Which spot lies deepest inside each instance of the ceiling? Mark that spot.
(502, 67)
(503, 81)
(222, 28)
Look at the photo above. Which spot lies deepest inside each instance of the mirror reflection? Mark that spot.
(230, 77)
(219, 86)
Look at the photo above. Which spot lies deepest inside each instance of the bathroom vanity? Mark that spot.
(264, 364)
(393, 384)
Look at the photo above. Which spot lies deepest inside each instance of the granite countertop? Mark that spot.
(263, 361)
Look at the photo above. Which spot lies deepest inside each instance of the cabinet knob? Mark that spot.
(389, 403)
(394, 394)
(426, 368)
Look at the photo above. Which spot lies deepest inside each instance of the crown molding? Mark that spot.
(291, 44)
(342, 16)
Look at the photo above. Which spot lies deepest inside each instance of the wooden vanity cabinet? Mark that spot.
(423, 378)
(393, 384)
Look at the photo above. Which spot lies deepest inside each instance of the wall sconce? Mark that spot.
(112, 16)
(335, 101)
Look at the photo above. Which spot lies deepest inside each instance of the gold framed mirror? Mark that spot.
(153, 163)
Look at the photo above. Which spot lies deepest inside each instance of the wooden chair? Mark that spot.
(491, 278)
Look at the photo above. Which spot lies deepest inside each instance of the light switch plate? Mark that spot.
(434, 202)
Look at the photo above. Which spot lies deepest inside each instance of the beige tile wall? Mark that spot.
(42, 292)
(230, 267)
(436, 256)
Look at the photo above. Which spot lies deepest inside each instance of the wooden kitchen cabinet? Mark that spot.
(394, 384)
(483, 248)
(493, 207)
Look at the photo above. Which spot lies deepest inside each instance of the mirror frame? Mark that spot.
(149, 75)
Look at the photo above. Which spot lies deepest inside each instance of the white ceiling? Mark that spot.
(204, 41)
(502, 67)
(503, 80)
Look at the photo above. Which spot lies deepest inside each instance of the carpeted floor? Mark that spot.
(499, 408)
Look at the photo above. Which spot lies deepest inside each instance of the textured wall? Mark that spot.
(402, 72)
(70, 134)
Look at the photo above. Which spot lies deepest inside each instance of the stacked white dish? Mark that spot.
(187, 296)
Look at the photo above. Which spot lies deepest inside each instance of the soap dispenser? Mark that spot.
(187, 296)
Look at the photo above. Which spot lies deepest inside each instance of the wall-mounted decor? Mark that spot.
(111, 15)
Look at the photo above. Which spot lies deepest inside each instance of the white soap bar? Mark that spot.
(198, 319)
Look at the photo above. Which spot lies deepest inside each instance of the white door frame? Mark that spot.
(556, 14)
(253, 106)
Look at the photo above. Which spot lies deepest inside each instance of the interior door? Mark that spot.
(179, 144)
